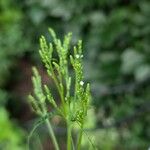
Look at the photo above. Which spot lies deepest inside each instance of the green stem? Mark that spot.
(73, 146)
(50, 129)
(80, 138)
(51, 132)
(69, 137)
(58, 88)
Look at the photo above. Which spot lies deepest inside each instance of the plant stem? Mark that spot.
(51, 132)
(69, 137)
(60, 91)
(80, 138)
(73, 146)
(50, 129)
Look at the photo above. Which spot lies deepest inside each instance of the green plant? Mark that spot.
(73, 107)
(12, 136)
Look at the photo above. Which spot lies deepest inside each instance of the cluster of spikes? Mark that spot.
(74, 93)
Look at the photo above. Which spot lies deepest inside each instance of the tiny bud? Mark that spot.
(77, 56)
(81, 83)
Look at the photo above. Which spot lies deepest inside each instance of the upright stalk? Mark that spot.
(80, 138)
(69, 136)
(50, 130)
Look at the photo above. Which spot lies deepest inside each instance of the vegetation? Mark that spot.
(11, 49)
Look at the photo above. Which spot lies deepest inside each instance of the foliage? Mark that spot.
(11, 48)
(12, 43)
(11, 136)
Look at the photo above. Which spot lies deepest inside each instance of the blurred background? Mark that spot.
(116, 43)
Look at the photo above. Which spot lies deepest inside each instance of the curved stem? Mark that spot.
(31, 133)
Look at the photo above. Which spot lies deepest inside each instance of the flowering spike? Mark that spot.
(73, 107)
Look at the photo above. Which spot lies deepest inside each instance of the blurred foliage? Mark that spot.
(116, 37)
(11, 135)
(102, 139)
(12, 43)
(11, 48)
